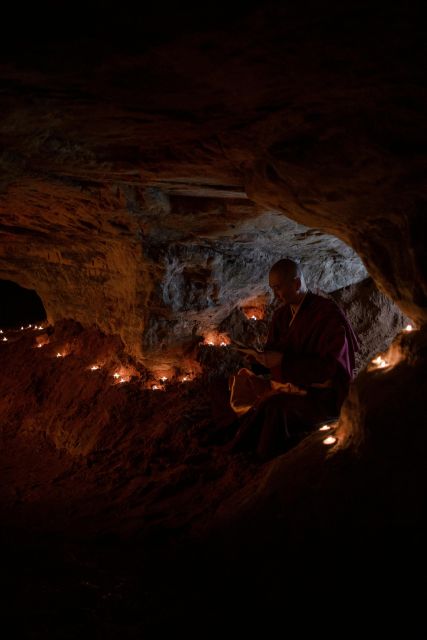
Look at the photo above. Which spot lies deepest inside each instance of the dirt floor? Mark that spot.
(113, 498)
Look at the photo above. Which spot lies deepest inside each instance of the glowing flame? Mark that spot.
(329, 440)
(123, 380)
(380, 362)
(409, 328)
(1, 330)
(185, 379)
(22, 328)
(94, 367)
(155, 387)
(216, 339)
(163, 378)
(116, 375)
(253, 312)
(325, 428)
(59, 355)
(4, 339)
(29, 326)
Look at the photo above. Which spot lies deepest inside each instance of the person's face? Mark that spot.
(285, 288)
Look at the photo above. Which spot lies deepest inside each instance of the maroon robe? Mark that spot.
(319, 345)
(319, 356)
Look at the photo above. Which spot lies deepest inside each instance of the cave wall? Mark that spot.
(135, 175)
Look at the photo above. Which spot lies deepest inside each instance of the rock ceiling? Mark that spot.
(152, 170)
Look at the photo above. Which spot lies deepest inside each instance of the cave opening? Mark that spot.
(20, 306)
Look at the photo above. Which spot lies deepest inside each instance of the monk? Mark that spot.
(310, 357)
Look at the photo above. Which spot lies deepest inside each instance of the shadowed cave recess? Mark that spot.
(154, 165)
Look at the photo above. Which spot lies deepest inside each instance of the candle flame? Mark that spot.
(329, 440)
(122, 380)
(155, 387)
(163, 378)
(214, 339)
(59, 355)
(380, 362)
(409, 327)
(116, 375)
(1, 330)
(94, 368)
(4, 339)
(22, 328)
(325, 428)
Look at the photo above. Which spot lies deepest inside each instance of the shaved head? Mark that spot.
(287, 282)
(286, 269)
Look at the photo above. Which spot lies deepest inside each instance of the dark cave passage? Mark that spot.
(20, 306)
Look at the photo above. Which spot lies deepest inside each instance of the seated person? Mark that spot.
(310, 355)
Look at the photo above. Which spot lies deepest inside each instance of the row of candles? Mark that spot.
(119, 377)
(212, 339)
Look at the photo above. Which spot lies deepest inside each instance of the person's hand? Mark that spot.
(269, 359)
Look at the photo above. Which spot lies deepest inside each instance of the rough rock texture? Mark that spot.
(149, 170)
(115, 152)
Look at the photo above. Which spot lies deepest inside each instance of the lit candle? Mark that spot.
(254, 318)
(185, 379)
(1, 330)
(116, 375)
(223, 344)
(59, 355)
(163, 378)
(211, 344)
(22, 328)
(329, 440)
(5, 339)
(155, 387)
(325, 428)
(380, 362)
(409, 327)
(122, 380)
(94, 368)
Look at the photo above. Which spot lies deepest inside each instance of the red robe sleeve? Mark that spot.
(331, 358)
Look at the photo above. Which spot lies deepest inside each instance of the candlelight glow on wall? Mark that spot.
(253, 313)
(124, 374)
(214, 339)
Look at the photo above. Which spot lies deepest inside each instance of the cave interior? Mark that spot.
(155, 162)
